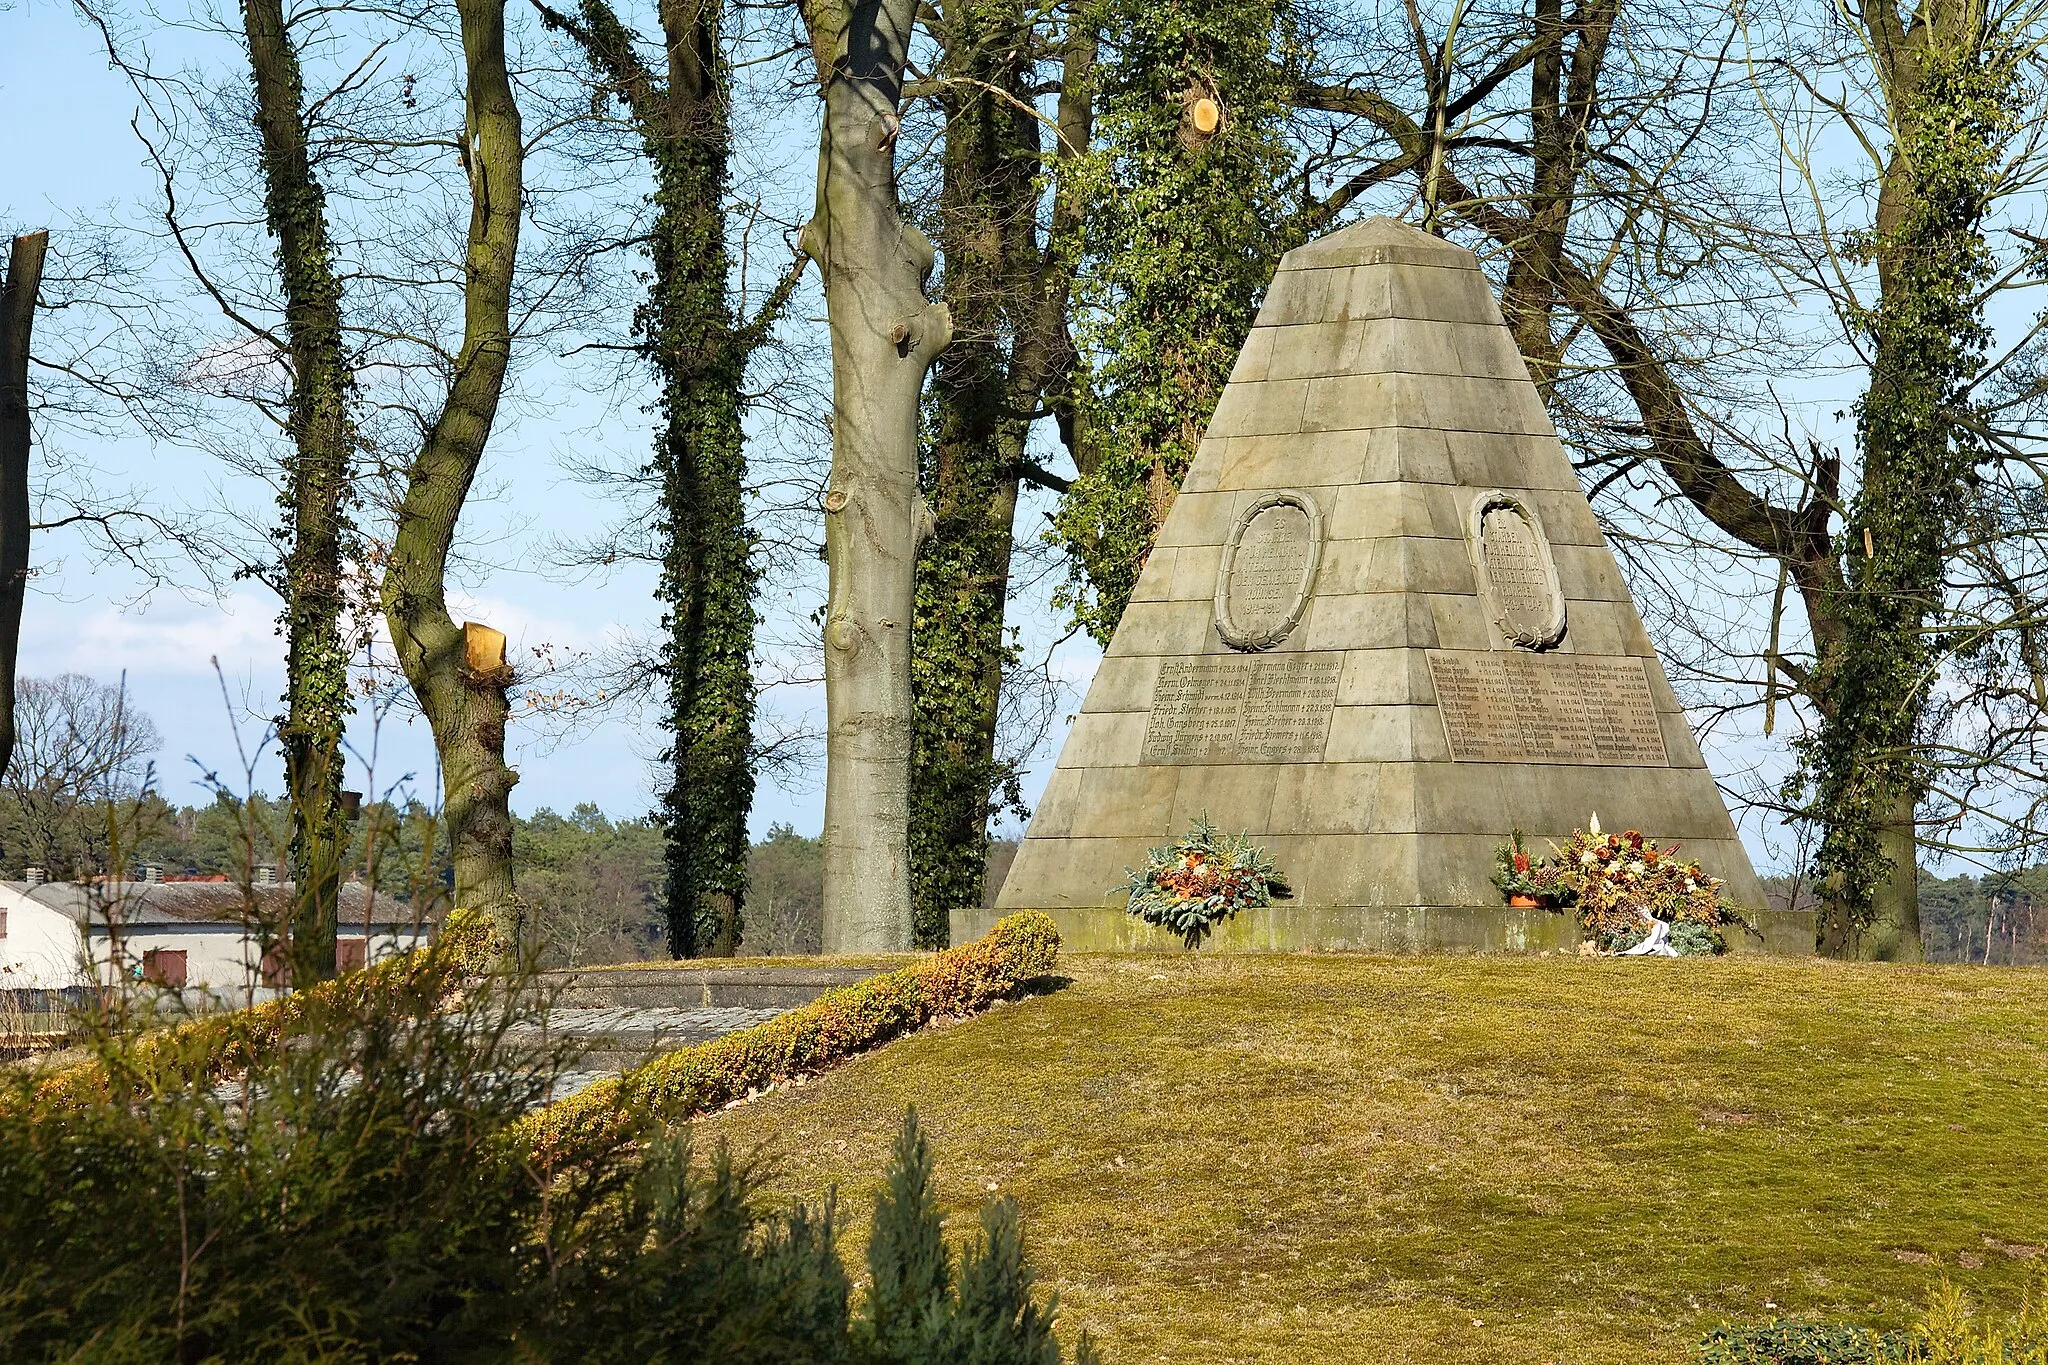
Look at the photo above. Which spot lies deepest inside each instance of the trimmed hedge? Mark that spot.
(695, 1080)
(218, 1044)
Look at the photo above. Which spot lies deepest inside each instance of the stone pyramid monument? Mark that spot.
(1379, 631)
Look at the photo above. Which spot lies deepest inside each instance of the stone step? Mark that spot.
(668, 985)
(606, 1040)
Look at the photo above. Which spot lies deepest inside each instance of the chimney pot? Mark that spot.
(35, 876)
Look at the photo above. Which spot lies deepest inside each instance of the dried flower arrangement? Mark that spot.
(1192, 886)
(1617, 884)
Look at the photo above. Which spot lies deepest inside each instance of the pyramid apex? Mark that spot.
(1378, 241)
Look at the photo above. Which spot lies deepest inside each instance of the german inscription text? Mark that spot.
(1242, 709)
(1503, 707)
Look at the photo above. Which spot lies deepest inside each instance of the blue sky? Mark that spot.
(73, 152)
(73, 158)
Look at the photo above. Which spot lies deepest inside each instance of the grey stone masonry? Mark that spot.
(1379, 409)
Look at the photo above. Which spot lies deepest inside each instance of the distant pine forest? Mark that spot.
(1999, 918)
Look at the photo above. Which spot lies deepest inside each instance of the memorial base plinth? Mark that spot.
(1285, 928)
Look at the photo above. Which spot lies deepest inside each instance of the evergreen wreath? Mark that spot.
(1192, 886)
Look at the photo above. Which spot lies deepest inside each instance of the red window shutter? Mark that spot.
(164, 966)
(350, 954)
(275, 971)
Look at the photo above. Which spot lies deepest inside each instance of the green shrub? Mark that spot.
(1950, 1331)
(926, 1309)
(356, 1191)
(1800, 1343)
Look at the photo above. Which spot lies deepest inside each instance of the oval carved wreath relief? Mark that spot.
(1516, 572)
(1269, 569)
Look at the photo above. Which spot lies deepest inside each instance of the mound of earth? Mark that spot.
(1328, 1158)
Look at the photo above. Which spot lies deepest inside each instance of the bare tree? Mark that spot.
(17, 324)
(81, 747)
(458, 673)
(885, 335)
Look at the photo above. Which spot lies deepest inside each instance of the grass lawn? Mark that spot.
(1505, 1160)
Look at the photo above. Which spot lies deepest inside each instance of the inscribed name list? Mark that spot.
(1247, 709)
(1502, 707)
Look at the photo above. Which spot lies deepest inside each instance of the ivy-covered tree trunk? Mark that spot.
(885, 335)
(699, 348)
(466, 705)
(17, 329)
(319, 490)
(1947, 80)
(1182, 231)
(1008, 297)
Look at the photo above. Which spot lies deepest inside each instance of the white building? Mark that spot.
(187, 934)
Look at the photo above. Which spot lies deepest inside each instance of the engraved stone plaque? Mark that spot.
(1268, 570)
(1220, 709)
(1513, 707)
(1516, 573)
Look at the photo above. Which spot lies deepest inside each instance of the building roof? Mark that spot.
(225, 904)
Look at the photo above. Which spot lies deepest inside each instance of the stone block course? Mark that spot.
(1257, 409)
(1588, 573)
(1311, 349)
(1175, 628)
(1199, 519)
(1462, 622)
(1384, 677)
(1106, 739)
(1254, 362)
(1591, 627)
(1193, 574)
(1123, 683)
(1369, 620)
(1443, 293)
(1511, 460)
(1206, 469)
(1298, 297)
(1234, 795)
(1155, 580)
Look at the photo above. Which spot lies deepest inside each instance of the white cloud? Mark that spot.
(168, 636)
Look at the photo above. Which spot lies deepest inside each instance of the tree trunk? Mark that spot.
(692, 334)
(1002, 284)
(988, 234)
(1182, 228)
(708, 574)
(1947, 74)
(462, 690)
(885, 334)
(319, 492)
(17, 326)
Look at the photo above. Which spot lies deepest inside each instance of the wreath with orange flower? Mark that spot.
(1615, 883)
(1191, 886)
